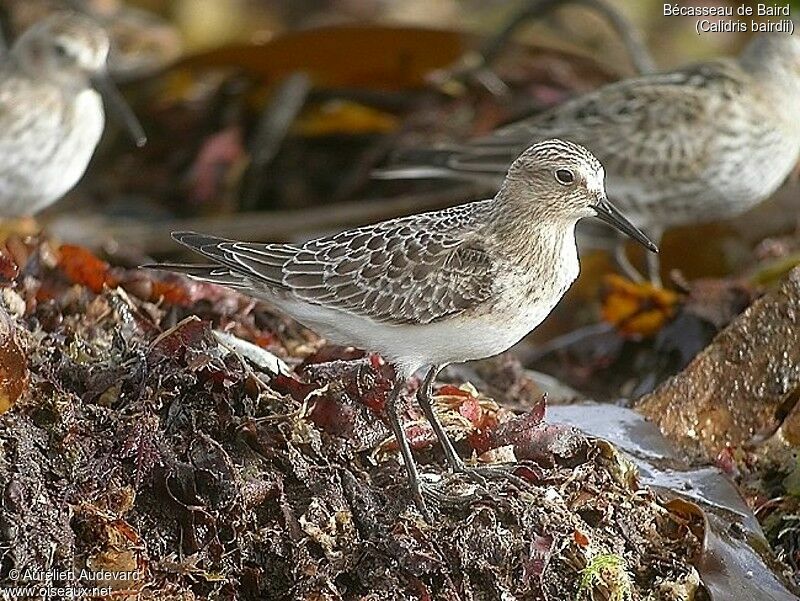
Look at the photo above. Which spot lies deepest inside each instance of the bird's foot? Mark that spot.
(477, 475)
(433, 491)
(482, 473)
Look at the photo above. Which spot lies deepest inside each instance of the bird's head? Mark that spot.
(776, 56)
(66, 48)
(70, 50)
(562, 181)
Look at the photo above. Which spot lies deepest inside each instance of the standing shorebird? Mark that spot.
(51, 114)
(435, 288)
(701, 143)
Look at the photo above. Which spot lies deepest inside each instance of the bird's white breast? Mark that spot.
(526, 294)
(46, 147)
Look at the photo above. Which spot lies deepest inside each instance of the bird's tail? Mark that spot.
(473, 164)
(212, 274)
(219, 272)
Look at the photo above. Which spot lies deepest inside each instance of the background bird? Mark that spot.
(433, 288)
(697, 144)
(51, 114)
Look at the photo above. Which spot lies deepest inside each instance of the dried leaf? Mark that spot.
(636, 309)
(9, 269)
(546, 444)
(539, 554)
(352, 56)
(344, 117)
(13, 365)
(580, 539)
(189, 333)
(116, 558)
(84, 268)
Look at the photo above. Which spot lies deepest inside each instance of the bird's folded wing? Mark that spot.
(634, 127)
(398, 272)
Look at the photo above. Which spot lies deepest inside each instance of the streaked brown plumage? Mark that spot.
(430, 289)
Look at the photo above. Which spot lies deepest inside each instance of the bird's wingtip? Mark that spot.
(193, 240)
(182, 234)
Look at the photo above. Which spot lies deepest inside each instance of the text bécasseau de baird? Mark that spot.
(759, 10)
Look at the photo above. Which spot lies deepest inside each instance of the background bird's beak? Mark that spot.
(609, 213)
(119, 107)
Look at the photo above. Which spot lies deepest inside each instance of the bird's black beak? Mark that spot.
(119, 107)
(609, 213)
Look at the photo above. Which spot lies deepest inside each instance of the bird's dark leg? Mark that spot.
(424, 395)
(405, 449)
(479, 473)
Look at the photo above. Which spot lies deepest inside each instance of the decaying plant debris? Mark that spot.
(137, 442)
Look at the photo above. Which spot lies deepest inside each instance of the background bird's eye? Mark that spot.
(564, 176)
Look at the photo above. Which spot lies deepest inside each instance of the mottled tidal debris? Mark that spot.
(13, 363)
(141, 443)
(260, 357)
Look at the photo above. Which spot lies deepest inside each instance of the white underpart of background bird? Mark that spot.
(51, 115)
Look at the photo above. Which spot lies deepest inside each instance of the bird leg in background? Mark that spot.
(274, 124)
(640, 56)
(654, 260)
(624, 263)
(405, 449)
(474, 64)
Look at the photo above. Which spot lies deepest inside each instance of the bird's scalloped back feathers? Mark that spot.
(416, 269)
(634, 127)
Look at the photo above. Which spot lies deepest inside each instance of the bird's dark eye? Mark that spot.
(60, 50)
(565, 176)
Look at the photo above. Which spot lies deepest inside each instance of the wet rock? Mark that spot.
(737, 388)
